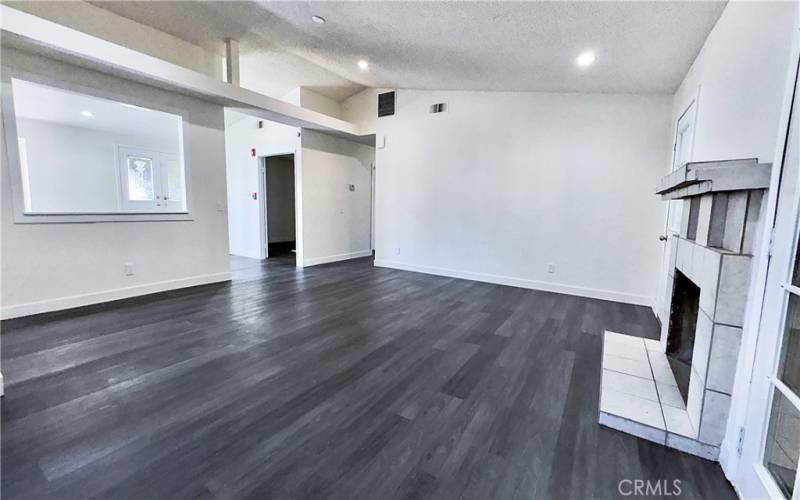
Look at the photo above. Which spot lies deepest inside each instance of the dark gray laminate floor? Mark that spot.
(338, 381)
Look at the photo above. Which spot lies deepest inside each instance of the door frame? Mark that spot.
(668, 236)
(263, 221)
(741, 452)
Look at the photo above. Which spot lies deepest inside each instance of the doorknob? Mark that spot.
(662, 238)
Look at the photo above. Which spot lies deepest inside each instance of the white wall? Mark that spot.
(51, 266)
(335, 220)
(362, 109)
(740, 75)
(75, 169)
(241, 136)
(323, 104)
(504, 184)
(280, 199)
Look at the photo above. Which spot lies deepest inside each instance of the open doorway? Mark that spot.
(278, 218)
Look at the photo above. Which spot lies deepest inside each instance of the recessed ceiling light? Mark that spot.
(318, 19)
(362, 64)
(87, 114)
(585, 58)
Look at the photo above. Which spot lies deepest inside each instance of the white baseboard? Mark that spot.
(336, 258)
(61, 303)
(594, 293)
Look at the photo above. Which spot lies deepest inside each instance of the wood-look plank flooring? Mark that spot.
(339, 381)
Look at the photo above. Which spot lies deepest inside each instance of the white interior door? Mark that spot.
(682, 151)
(771, 446)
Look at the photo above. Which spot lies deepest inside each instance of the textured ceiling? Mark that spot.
(640, 46)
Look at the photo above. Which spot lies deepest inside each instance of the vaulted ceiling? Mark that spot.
(519, 46)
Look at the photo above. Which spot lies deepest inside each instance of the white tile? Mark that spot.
(615, 348)
(703, 220)
(628, 384)
(685, 211)
(715, 417)
(697, 264)
(692, 447)
(633, 428)
(653, 345)
(632, 408)
(684, 259)
(662, 373)
(621, 338)
(677, 422)
(708, 279)
(669, 395)
(734, 280)
(673, 251)
(702, 343)
(637, 367)
(722, 362)
(694, 400)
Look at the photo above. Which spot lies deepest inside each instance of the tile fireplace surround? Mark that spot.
(721, 218)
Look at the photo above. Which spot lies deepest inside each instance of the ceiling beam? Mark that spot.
(232, 61)
(31, 33)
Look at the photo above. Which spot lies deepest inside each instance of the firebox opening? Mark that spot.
(682, 323)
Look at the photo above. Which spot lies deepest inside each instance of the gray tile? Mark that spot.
(715, 417)
(734, 282)
(723, 359)
(753, 222)
(703, 332)
(735, 221)
(693, 447)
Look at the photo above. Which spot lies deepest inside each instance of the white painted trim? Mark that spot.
(79, 48)
(2, 386)
(336, 258)
(61, 303)
(546, 286)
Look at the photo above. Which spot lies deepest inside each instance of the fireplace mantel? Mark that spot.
(697, 178)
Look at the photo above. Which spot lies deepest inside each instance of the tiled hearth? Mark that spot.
(639, 395)
(722, 205)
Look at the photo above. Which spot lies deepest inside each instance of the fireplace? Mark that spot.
(682, 324)
(677, 390)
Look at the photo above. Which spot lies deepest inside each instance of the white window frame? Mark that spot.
(20, 199)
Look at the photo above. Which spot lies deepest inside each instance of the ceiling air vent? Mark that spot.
(386, 104)
(438, 108)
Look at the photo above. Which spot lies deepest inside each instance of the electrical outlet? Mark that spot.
(129, 269)
(551, 268)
